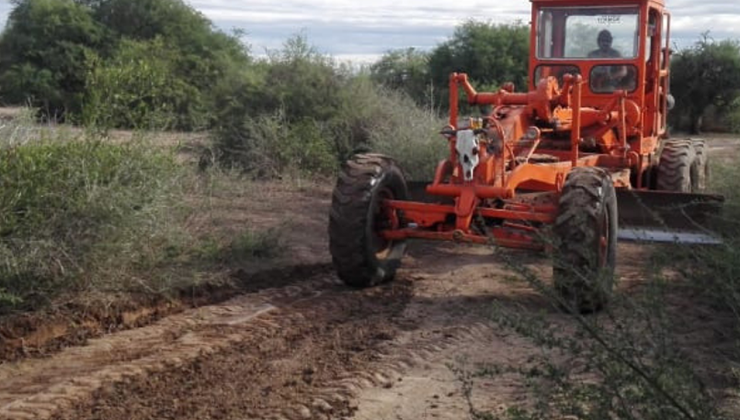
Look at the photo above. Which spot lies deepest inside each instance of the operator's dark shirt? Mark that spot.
(608, 53)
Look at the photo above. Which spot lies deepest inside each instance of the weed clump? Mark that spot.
(66, 202)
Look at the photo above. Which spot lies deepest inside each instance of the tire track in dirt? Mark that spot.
(37, 388)
(39, 334)
(310, 350)
(298, 351)
(315, 361)
(301, 361)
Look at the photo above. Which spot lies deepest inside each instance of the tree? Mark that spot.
(135, 89)
(201, 56)
(706, 74)
(44, 54)
(491, 54)
(302, 82)
(405, 70)
(50, 52)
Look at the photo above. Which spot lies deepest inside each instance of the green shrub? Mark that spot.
(65, 203)
(116, 63)
(251, 245)
(366, 117)
(387, 121)
(134, 89)
(45, 50)
(275, 116)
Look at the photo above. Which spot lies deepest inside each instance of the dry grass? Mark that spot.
(86, 217)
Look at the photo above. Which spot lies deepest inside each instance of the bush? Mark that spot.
(270, 146)
(302, 113)
(45, 50)
(491, 54)
(65, 203)
(704, 75)
(367, 117)
(135, 89)
(389, 122)
(120, 63)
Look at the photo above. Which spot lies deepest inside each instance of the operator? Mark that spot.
(606, 77)
(604, 41)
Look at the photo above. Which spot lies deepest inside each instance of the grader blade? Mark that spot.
(660, 216)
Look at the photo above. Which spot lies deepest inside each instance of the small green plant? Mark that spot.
(252, 244)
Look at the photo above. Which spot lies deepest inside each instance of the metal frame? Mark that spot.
(512, 195)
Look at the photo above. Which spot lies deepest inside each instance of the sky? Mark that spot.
(363, 31)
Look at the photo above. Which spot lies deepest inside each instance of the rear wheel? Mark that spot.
(676, 166)
(700, 167)
(585, 239)
(360, 255)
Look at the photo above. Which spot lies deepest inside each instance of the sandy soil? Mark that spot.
(301, 345)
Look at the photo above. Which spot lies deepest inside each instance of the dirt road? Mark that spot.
(304, 346)
(308, 349)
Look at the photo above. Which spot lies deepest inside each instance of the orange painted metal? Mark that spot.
(420, 213)
(530, 141)
(499, 237)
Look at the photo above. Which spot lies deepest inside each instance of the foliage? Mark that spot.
(277, 118)
(269, 146)
(198, 56)
(389, 122)
(302, 82)
(250, 245)
(60, 53)
(134, 89)
(406, 70)
(63, 203)
(45, 51)
(332, 117)
(491, 54)
(703, 75)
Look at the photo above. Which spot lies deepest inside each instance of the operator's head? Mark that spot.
(604, 40)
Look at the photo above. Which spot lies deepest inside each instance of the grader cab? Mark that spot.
(580, 156)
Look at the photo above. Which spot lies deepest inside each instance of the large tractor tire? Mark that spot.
(675, 166)
(585, 246)
(361, 257)
(700, 167)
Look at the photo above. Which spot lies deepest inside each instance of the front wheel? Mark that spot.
(360, 255)
(585, 246)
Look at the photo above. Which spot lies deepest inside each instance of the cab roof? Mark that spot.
(600, 3)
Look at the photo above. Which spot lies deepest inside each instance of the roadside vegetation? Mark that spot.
(72, 208)
(83, 213)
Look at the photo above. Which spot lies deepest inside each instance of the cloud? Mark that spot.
(5, 9)
(345, 28)
(350, 28)
(368, 29)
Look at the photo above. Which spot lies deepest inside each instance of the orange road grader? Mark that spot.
(566, 166)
